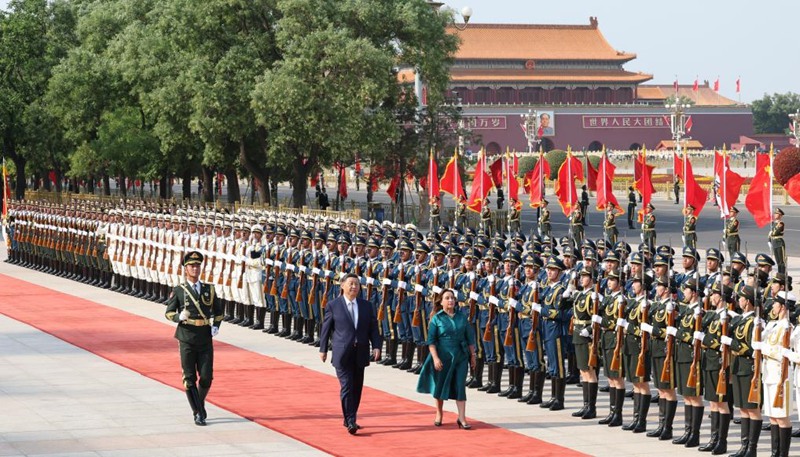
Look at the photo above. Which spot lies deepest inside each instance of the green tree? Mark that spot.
(771, 113)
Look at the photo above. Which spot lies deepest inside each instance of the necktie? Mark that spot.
(197, 288)
(352, 312)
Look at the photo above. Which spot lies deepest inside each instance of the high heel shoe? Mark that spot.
(463, 425)
(437, 423)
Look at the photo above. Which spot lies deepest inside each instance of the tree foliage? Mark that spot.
(771, 113)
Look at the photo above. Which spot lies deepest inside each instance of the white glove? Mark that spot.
(787, 353)
(621, 322)
(316, 271)
(418, 288)
(184, 315)
(724, 244)
(699, 336)
(490, 278)
(698, 311)
(536, 307)
(585, 333)
(726, 340)
(370, 281)
(683, 239)
(327, 272)
(474, 296)
(437, 290)
(214, 330)
(595, 296)
(268, 262)
(401, 284)
(670, 307)
(756, 345)
(512, 303)
(647, 328)
(784, 324)
(759, 321)
(471, 275)
(597, 319)
(769, 243)
(493, 300)
(386, 282)
(290, 267)
(706, 291)
(641, 235)
(672, 331)
(566, 294)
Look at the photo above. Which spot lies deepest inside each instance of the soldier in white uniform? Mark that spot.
(775, 348)
(255, 268)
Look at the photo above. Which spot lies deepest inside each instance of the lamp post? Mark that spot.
(677, 123)
(533, 138)
(795, 117)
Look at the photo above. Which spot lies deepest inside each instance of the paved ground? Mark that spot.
(61, 400)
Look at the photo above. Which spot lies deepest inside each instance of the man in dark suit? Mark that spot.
(352, 324)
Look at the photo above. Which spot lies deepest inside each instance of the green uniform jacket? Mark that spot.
(205, 311)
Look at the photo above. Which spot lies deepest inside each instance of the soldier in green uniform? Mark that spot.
(776, 243)
(576, 226)
(582, 313)
(544, 220)
(649, 227)
(514, 212)
(436, 210)
(610, 313)
(198, 312)
(662, 315)
(631, 207)
(689, 227)
(732, 240)
(486, 218)
(685, 335)
(610, 224)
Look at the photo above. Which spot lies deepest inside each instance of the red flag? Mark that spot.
(716, 85)
(6, 192)
(314, 179)
(738, 85)
(433, 177)
(696, 86)
(513, 182)
(644, 185)
(570, 170)
(358, 166)
(394, 186)
(604, 184)
(592, 178)
(481, 185)
(451, 179)
(342, 182)
(675, 84)
(695, 195)
(759, 198)
(687, 125)
(536, 181)
(496, 170)
(792, 187)
(729, 184)
(677, 165)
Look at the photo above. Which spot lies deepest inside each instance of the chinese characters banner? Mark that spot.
(624, 122)
(485, 122)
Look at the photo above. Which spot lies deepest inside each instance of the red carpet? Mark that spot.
(292, 400)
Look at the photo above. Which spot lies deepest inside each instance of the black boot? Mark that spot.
(669, 416)
(612, 399)
(531, 386)
(273, 323)
(249, 310)
(548, 403)
(687, 425)
(309, 338)
(496, 376)
(712, 443)
(286, 322)
(415, 366)
(194, 402)
(637, 399)
(616, 420)
(202, 394)
(573, 374)
(261, 316)
(519, 377)
(391, 353)
(591, 410)
(775, 440)
(408, 355)
(471, 377)
(755, 434)
(722, 441)
(745, 437)
(403, 354)
(785, 441)
(477, 377)
(538, 379)
(422, 354)
(316, 337)
(697, 421)
(297, 334)
(644, 408)
(580, 412)
(661, 411)
(561, 385)
(507, 392)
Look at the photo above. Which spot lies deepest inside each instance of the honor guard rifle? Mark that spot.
(531, 345)
(755, 384)
(595, 345)
(487, 334)
(401, 296)
(512, 314)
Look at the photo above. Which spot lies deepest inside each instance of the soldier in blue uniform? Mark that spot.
(528, 309)
(508, 293)
(416, 305)
(556, 311)
(487, 288)
(401, 277)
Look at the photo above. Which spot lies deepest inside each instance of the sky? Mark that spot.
(688, 38)
(705, 39)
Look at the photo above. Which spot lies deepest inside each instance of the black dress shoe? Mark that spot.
(352, 428)
(198, 420)
(358, 427)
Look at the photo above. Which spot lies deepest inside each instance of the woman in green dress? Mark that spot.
(452, 346)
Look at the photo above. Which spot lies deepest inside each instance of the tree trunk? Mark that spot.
(90, 186)
(258, 172)
(234, 194)
(46, 183)
(401, 198)
(123, 186)
(59, 178)
(208, 185)
(186, 184)
(106, 185)
(36, 180)
(164, 189)
(300, 181)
